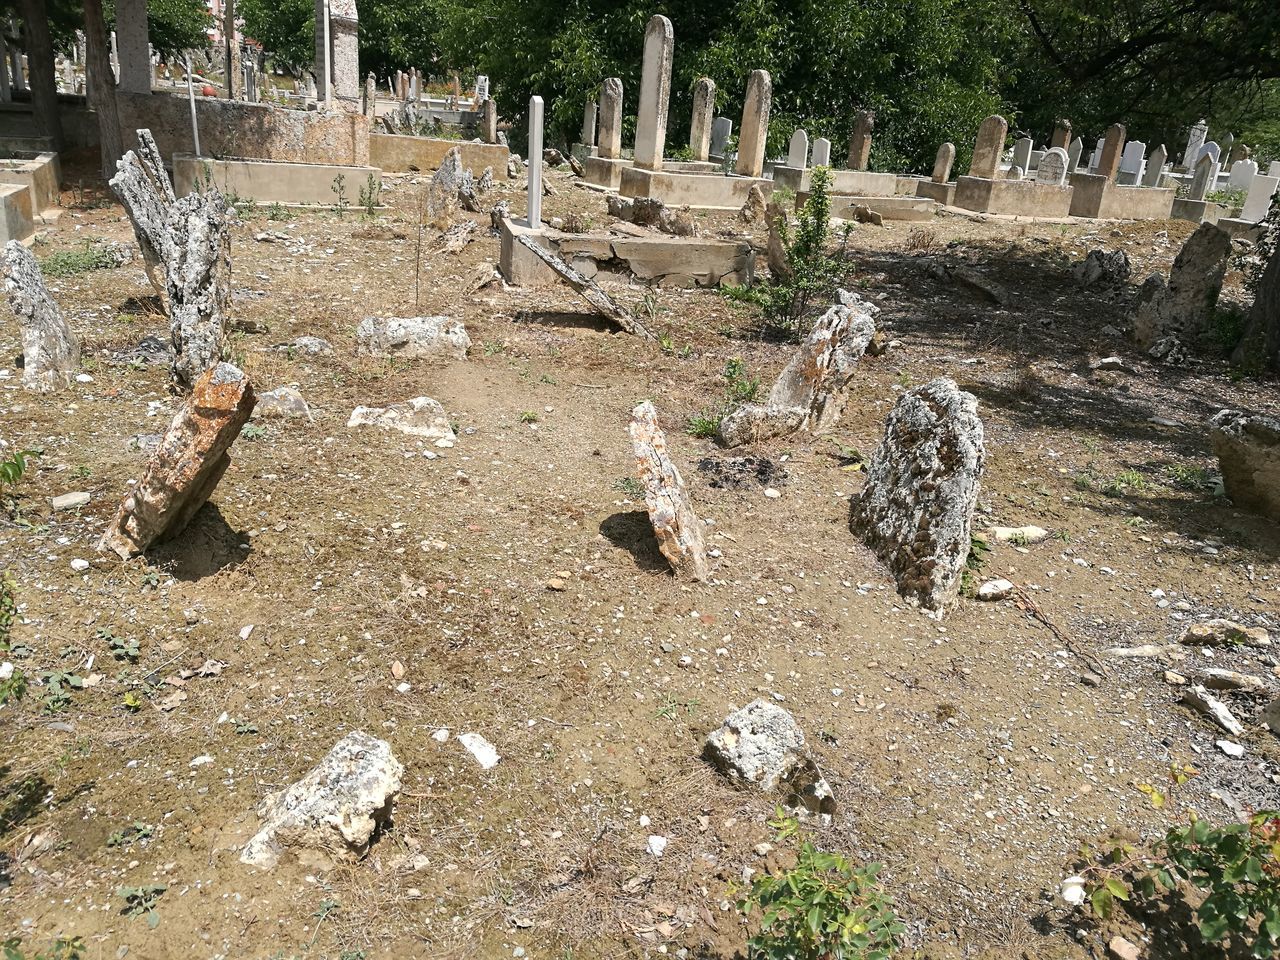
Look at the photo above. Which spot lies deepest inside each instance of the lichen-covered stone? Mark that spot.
(916, 509)
(419, 417)
(1183, 307)
(197, 277)
(762, 745)
(413, 337)
(50, 350)
(186, 466)
(1248, 451)
(146, 194)
(810, 393)
(330, 815)
(675, 524)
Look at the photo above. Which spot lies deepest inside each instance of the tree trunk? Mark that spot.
(102, 87)
(1259, 348)
(44, 84)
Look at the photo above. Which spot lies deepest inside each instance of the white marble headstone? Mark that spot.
(798, 151)
(1258, 201)
(821, 153)
(1242, 173)
(1053, 167)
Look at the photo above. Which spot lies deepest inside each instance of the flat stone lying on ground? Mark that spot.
(187, 465)
(1018, 535)
(50, 350)
(419, 417)
(762, 745)
(284, 403)
(413, 337)
(916, 509)
(1224, 633)
(675, 524)
(331, 814)
(1248, 451)
(811, 392)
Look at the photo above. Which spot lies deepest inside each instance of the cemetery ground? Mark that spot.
(349, 578)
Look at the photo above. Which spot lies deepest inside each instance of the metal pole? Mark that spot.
(535, 164)
(191, 99)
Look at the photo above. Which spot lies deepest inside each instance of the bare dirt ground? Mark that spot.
(402, 589)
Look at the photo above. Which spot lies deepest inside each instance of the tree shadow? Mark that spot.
(143, 306)
(204, 547)
(567, 321)
(20, 799)
(633, 532)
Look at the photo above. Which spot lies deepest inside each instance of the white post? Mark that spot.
(191, 99)
(535, 163)
(328, 57)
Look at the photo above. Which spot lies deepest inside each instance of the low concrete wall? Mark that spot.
(397, 154)
(943, 193)
(701, 191)
(1096, 197)
(42, 175)
(661, 259)
(604, 172)
(228, 128)
(845, 183)
(1019, 198)
(1197, 211)
(266, 181)
(889, 208)
(16, 219)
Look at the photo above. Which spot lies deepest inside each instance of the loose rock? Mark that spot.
(1200, 700)
(675, 524)
(1248, 452)
(50, 350)
(1224, 633)
(283, 402)
(412, 337)
(419, 417)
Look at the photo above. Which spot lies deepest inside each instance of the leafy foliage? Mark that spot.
(81, 259)
(64, 948)
(823, 908)
(14, 686)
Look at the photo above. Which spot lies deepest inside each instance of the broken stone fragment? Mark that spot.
(50, 351)
(916, 509)
(1200, 700)
(311, 346)
(755, 205)
(588, 289)
(763, 746)
(186, 466)
(285, 403)
(413, 337)
(995, 590)
(419, 417)
(1224, 633)
(331, 814)
(1107, 267)
(811, 392)
(1248, 451)
(1218, 678)
(1017, 535)
(197, 259)
(1184, 307)
(677, 527)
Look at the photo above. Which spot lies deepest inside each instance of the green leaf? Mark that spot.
(1117, 889)
(1102, 902)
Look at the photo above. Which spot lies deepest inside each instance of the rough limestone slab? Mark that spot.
(1248, 451)
(187, 465)
(916, 509)
(811, 392)
(50, 350)
(762, 745)
(331, 814)
(419, 417)
(675, 524)
(197, 260)
(413, 337)
(1183, 307)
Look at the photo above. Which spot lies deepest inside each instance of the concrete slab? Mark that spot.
(268, 181)
(398, 154)
(16, 216)
(848, 183)
(1240, 229)
(1197, 211)
(657, 258)
(1024, 198)
(41, 174)
(943, 193)
(1096, 197)
(603, 172)
(699, 191)
(890, 208)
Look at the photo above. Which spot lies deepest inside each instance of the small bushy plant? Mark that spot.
(83, 258)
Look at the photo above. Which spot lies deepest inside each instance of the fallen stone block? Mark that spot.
(187, 465)
(1021, 536)
(50, 350)
(284, 403)
(1105, 267)
(590, 291)
(1200, 700)
(412, 338)
(675, 524)
(916, 509)
(811, 392)
(998, 589)
(331, 815)
(761, 745)
(1224, 633)
(419, 417)
(1248, 451)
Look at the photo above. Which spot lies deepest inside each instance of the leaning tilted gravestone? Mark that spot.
(198, 275)
(330, 815)
(186, 466)
(916, 510)
(50, 350)
(988, 148)
(762, 745)
(146, 194)
(412, 338)
(676, 526)
(1183, 307)
(1053, 167)
(810, 393)
(942, 163)
(1248, 452)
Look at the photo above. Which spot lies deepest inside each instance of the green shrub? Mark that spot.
(84, 258)
(823, 908)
